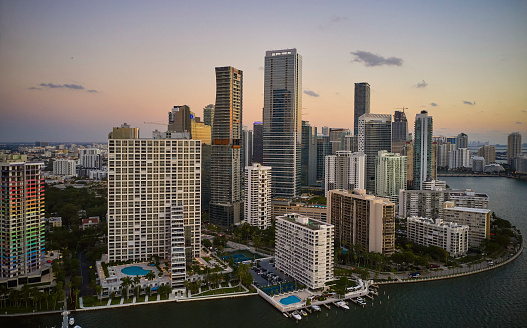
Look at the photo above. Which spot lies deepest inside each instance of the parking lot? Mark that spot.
(267, 275)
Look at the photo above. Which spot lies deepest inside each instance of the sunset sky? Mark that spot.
(71, 70)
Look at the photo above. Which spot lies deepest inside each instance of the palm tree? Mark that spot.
(98, 290)
(125, 283)
(3, 290)
(35, 295)
(137, 283)
(150, 276)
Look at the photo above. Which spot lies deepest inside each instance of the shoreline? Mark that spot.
(245, 294)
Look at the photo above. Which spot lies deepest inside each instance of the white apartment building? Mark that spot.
(304, 249)
(64, 167)
(450, 236)
(478, 219)
(154, 200)
(429, 203)
(390, 175)
(90, 158)
(258, 195)
(345, 170)
(459, 159)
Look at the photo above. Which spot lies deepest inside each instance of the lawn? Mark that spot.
(129, 300)
(116, 301)
(163, 298)
(20, 309)
(140, 299)
(89, 301)
(227, 290)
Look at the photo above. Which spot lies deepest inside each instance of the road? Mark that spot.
(84, 272)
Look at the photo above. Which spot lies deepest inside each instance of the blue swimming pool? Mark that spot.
(134, 271)
(290, 300)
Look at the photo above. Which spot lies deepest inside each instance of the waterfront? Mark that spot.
(494, 298)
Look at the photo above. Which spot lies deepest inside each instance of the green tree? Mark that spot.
(126, 282)
(98, 290)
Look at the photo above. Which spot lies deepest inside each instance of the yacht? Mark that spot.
(302, 312)
(315, 307)
(296, 316)
(71, 321)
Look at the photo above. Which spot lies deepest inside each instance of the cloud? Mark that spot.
(67, 86)
(337, 19)
(370, 59)
(421, 84)
(471, 103)
(433, 104)
(311, 93)
(519, 122)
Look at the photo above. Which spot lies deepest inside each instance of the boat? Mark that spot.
(285, 314)
(296, 316)
(343, 305)
(315, 307)
(71, 321)
(302, 312)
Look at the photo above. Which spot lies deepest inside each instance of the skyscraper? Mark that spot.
(514, 146)
(226, 203)
(462, 140)
(488, 153)
(247, 148)
(309, 154)
(345, 170)
(399, 131)
(208, 115)
(21, 220)
(258, 195)
(179, 119)
(390, 175)
(282, 119)
(258, 142)
(362, 103)
(422, 148)
(375, 133)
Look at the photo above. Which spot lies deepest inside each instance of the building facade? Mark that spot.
(462, 140)
(361, 219)
(514, 146)
(154, 201)
(449, 236)
(21, 221)
(488, 153)
(390, 175)
(258, 142)
(422, 148)
(304, 249)
(282, 119)
(375, 134)
(258, 195)
(226, 206)
(361, 103)
(478, 220)
(66, 167)
(345, 170)
(309, 154)
(208, 114)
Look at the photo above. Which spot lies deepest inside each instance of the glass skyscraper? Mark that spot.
(422, 149)
(282, 120)
(362, 103)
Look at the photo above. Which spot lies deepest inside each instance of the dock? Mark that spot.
(369, 296)
(374, 292)
(327, 306)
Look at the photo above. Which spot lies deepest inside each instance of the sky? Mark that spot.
(72, 70)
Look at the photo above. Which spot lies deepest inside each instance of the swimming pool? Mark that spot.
(134, 271)
(290, 300)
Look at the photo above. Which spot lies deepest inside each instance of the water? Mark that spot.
(495, 298)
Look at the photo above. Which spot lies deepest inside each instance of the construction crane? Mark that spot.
(403, 108)
(156, 123)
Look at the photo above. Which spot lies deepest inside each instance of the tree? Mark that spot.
(244, 274)
(98, 290)
(137, 282)
(3, 291)
(164, 290)
(125, 283)
(150, 275)
(206, 243)
(26, 293)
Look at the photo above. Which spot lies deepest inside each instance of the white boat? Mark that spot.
(285, 315)
(296, 316)
(71, 321)
(302, 312)
(343, 305)
(315, 307)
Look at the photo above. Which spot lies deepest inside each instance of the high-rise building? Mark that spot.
(375, 133)
(459, 159)
(282, 119)
(124, 132)
(66, 167)
(462, 140)
(309, 154)
(422, 148)
(258, 142)
(247, 147)
(345, 170)
(226, 202)
(304, 249)
(362, 219)
(449, 236)
(478, 219)
(362, 103)
(408, 151)
(154, 201)
(323, 150)
(21, 220)
(390, 175)
(351, 143)
(208, 115)
(179, 119)
(514, 146)
(488, 153)
(399, 131)
(443, 154)
(90, 158)
(258, 195)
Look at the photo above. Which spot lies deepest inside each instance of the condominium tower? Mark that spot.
(258, 195)
(309, 154)
(362, 219)
(226, 202)
(282, 119)
(422, 148)
(390, 175)
(345, 170)
(375, 133)
(154, 201)
(362, 103)
(514, 146)
(21, 220)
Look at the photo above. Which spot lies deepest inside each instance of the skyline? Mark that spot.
(72, 71)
